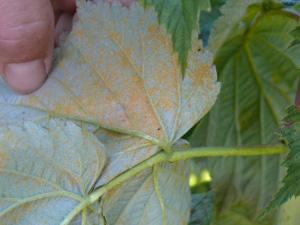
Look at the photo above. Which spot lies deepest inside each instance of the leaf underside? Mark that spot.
(118, 71)
(46, 172)
(116, 76)
(159, 196)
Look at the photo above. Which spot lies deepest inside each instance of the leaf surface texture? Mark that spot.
(118, 71)
(45, 173)
(159, 196)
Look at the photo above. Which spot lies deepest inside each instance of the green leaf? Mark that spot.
(241, 215)
(202, 209)
(117, 70)
(180, 18)
(291, 135)
(205, 5)
(232, 12)
(159, 196)
(290, 212)
(258, 70)
(297, 7)
(45, 173)
(207, 19)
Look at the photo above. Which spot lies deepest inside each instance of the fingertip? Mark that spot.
(26, 30)
(25, 77)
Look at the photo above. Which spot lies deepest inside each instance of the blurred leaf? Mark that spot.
(202, 209)
(231, 12)
(290, 2)
(297, 7)
(290, 212)
(208, 17)
(45, 173)
(239, 215)
(159, 196)
(180, 18)
(258, 69)
(291, 134)
(123, 76)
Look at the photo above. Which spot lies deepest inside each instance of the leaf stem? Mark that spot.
(180, 154)
(176, 155)
(227, 151)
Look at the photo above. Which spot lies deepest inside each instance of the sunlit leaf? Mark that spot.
(118, 71)
(46, 172)
(159, 196)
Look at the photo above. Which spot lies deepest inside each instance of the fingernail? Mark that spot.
(25, 77)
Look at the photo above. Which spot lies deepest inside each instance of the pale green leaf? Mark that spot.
(46, 172)
(258, 70)
(118, 71)
(159, 196)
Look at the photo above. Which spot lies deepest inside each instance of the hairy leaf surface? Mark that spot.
(118, 71)
(159, 196)
(46, 172)
(258, 70)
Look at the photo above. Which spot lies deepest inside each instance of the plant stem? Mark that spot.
(176, 155)
(226, 151)
(184, 154)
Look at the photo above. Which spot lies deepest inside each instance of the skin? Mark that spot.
(28, 34)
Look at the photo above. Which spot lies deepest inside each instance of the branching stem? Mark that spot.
(176, 155)
(179, 154)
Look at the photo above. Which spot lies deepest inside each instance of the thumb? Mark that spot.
(26, 42)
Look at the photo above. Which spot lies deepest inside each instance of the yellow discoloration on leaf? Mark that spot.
(46, 167)
(124, 76)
